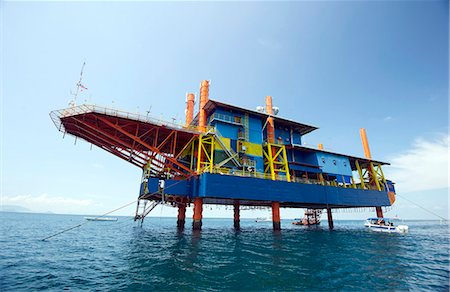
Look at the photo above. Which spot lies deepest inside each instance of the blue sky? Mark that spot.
(338, 65)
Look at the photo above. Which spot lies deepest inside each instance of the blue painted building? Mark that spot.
(314, 178)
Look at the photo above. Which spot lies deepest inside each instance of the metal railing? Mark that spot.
(57, 115)
(226, 118)
(244, 173)
(248, 162)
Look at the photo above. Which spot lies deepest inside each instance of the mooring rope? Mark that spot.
(107, 213)
(84, 223)
(423, 208)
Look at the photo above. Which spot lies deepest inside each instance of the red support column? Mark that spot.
(237, 223)
(198, 210)
(330, 219)
(276, 215)
(379, 212)
(181, 215)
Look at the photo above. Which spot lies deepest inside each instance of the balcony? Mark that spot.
(235, 120)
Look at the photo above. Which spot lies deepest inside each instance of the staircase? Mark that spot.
(230, 152)
(143, 208)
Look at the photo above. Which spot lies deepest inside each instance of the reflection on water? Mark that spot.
(122, 256)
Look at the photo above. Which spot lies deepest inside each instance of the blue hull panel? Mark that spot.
(255, 189)
(182, 188)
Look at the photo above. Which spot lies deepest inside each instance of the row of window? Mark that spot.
(334, 162)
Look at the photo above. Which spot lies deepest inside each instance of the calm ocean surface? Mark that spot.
(121, 256)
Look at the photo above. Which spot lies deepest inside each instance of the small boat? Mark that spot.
(311, 217)
(306, 222)
(100, 219)
(385, 225)
(263, 219)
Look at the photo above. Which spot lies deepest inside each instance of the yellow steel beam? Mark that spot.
(353, 182)
(205, 154)
(212, 154)
(361, 177)
(272, 170)
(374, 176)
(321, 179)
(276, 160)
(199, 153)
(286, 165)
(383, 179)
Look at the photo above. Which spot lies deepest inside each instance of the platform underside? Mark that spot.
(132, 137)
(225, 189)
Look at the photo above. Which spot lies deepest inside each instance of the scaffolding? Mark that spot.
(275, 162)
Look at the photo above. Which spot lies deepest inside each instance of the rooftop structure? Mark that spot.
(229, 155)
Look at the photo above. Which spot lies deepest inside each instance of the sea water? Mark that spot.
(123, 256)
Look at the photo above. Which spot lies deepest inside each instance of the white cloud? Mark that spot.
(423, 167)
(387, 119)
(45, 203)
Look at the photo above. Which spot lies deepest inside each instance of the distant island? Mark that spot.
(14, 208)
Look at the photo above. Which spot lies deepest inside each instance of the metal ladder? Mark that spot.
(230, 152)
(246, 128)
(143, 208)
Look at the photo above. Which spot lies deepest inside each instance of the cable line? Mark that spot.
(423, 208)
(81, 224)
(107, 213)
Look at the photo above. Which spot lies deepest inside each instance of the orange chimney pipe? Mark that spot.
(365, 143)
(320, 146)
(204, 96)
(270, 123)
(367, 154)
(190, 100)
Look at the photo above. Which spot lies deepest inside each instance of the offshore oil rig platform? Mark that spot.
(228, 155)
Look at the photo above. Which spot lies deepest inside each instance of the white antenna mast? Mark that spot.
(148, 111)
(79, 85)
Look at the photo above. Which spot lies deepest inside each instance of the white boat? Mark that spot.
(100, 219)
(263, 219)
(385, 225)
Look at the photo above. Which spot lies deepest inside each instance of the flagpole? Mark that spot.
(74, 101)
